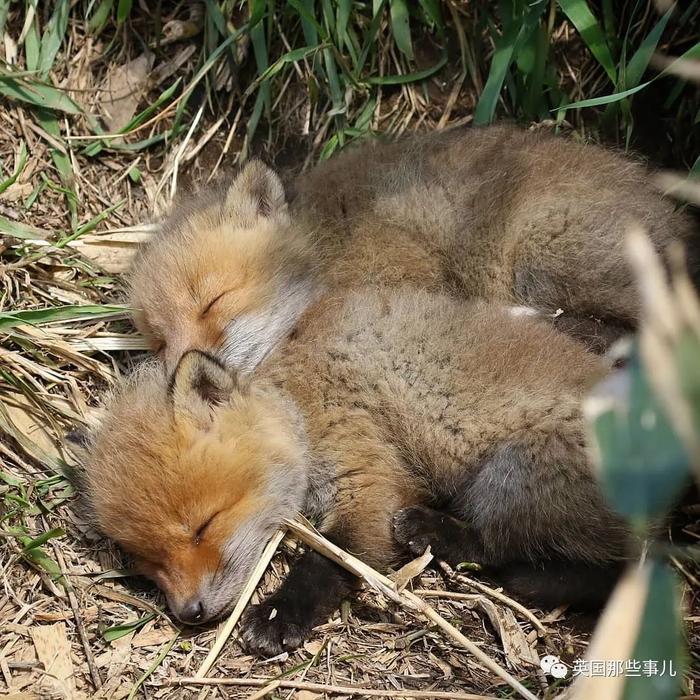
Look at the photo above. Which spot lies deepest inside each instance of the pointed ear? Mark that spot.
(80, 441)
(257, 193)
(199, 384)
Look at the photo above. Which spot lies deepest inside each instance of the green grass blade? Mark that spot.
(37, 94)
(640, 60)
(28, 543)
(32, 43)
(587, 26)
(4, 11)
(62, 162)
(111, 634)
(100, 16)
(692, 53)
(409, 77)
(309, 26)
(289, 57)
(432, 11)
(54, 34)
(23, 231)
(401, 27)
(123, 10)
(370, 37)
(304, 9)
(659, 640)
(506, 48)
(53, 314)
(21, 162)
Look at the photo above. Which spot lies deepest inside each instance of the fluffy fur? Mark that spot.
(397, 420)
(513, 216)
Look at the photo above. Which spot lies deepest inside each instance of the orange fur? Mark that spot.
(500, 213)
(381, 401)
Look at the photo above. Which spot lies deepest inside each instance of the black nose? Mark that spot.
(192, 612)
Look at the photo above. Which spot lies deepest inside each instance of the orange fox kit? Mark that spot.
(397, 419)
(509, 215)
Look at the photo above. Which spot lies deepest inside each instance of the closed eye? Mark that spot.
(203, 528)
(208, 307)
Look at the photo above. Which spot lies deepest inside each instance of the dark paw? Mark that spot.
(413, 529)
(269, 631)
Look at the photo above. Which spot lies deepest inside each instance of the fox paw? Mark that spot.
(269, 630)
(451, 540)
(414, 529)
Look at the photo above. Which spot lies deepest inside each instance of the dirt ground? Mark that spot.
(73, 622)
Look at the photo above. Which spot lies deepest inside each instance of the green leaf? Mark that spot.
(32, 43)
(506, 48)
(692, 53)
(123, 10)
(52, 314)
(43, 560)
(37, 94)
(257, 11)
(118, 631)
(400, 27)
(53, 36)
(99, 17)
(688, 367)
(640, 60)
(585, 22)
(643, 464)
(432, 11)
(24, 231)
(28, 543)
(289, 57)
(659, 641)
(408, 77)
(62, 162)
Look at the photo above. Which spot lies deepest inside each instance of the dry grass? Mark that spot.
(73, 623)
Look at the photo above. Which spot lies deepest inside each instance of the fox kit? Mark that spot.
(396, 419)
(508, 215)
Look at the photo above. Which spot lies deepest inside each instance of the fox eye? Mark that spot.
(209, 306)
(203, 528)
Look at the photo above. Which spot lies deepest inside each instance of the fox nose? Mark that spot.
(192, 612)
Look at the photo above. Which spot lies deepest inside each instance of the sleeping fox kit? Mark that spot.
(511, 216)
(396, 419)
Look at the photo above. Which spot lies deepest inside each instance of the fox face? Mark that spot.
(229, 275)
(191, 478)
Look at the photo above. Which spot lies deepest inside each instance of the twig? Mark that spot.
(405, 598)
(450, 595)
(94, 673)
(241, 604)
(319, 688)
(483, 588)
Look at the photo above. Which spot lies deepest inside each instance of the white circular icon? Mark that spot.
(553, 666)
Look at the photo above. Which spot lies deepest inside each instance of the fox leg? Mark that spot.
(370, 485)
(310, 593)
(449, 539)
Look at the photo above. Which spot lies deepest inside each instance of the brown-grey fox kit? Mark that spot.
(508, 215)
(397, 419)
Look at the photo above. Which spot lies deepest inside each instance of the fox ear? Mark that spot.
(80, 441)
(199, 384)
(257, 193)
